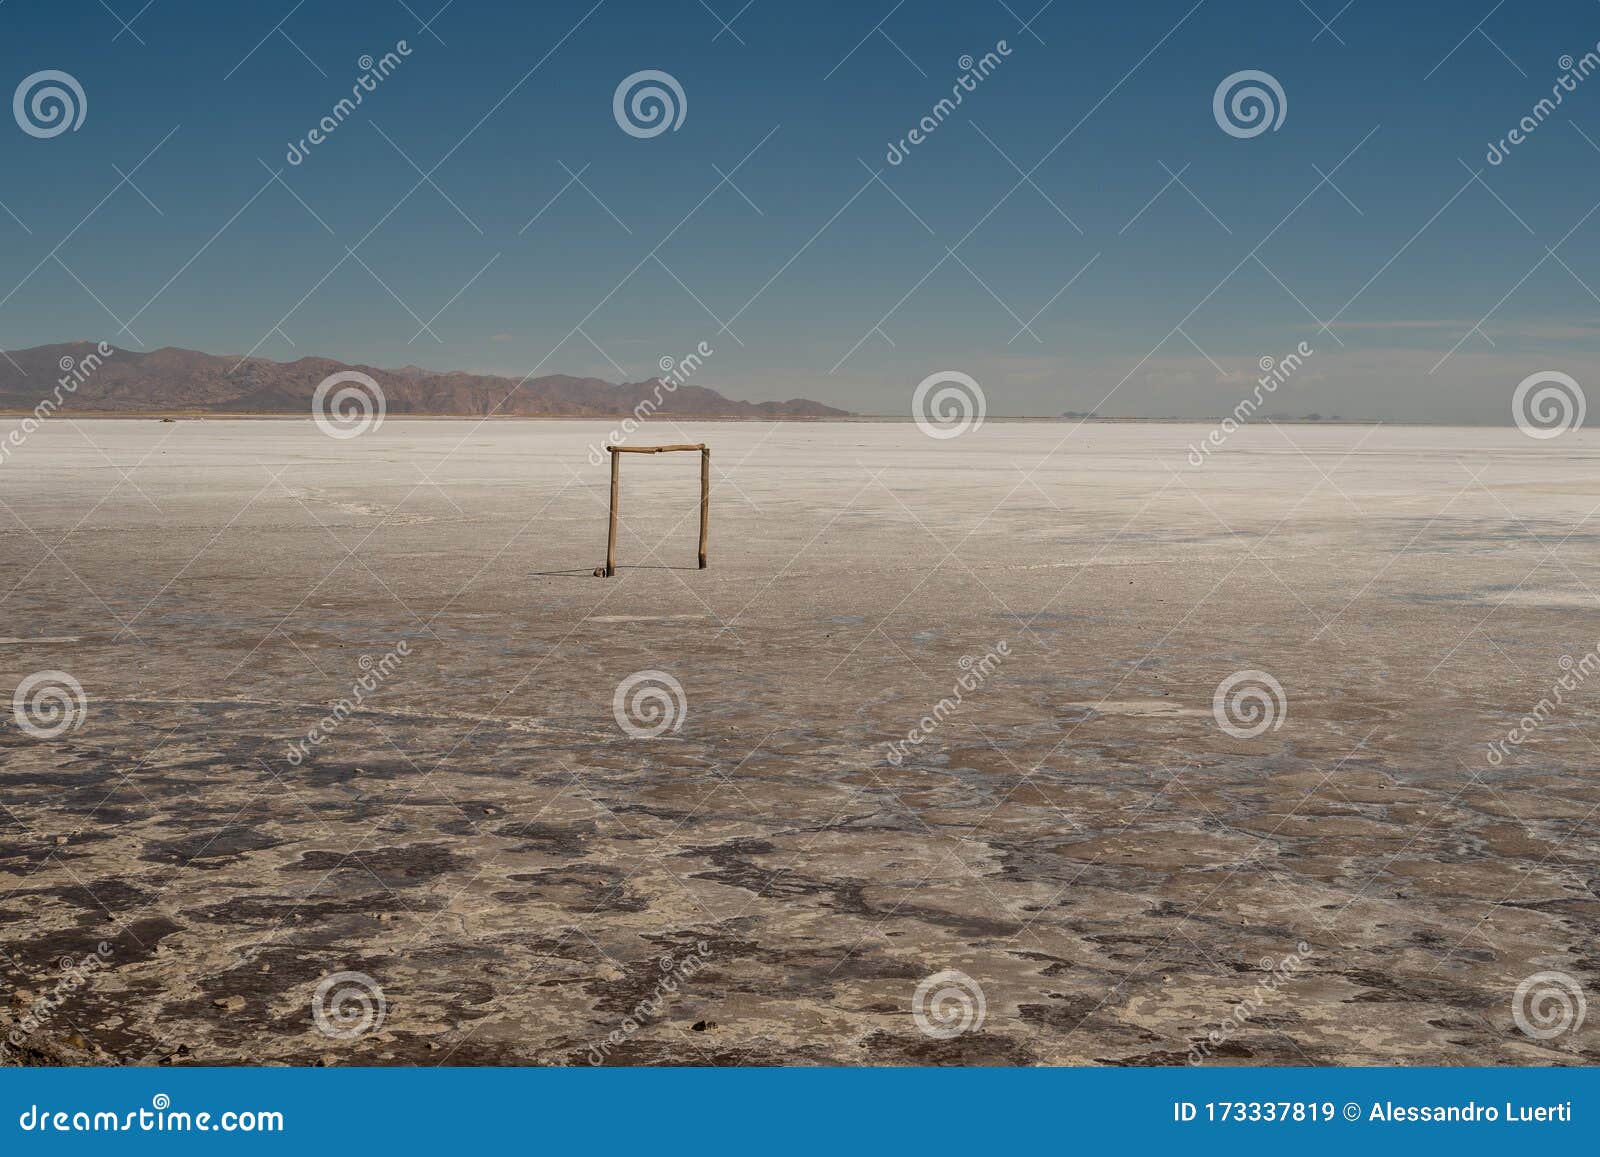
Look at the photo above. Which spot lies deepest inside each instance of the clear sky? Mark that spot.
(545, 238)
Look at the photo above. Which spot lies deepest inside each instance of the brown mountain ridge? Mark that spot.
(172, 379)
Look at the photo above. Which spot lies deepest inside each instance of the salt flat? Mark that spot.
(1111, 868)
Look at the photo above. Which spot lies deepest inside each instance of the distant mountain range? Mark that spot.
(178, 380)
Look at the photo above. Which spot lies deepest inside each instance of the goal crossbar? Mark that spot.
(616, 494)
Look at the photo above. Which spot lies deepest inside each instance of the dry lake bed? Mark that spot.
(936, 707)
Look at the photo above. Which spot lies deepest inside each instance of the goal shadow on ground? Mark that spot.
(588, 572)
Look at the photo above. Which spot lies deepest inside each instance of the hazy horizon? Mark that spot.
(857, 415)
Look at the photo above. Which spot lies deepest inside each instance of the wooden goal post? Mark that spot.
(616, 492)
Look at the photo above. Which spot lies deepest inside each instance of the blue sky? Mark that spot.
(840, 285)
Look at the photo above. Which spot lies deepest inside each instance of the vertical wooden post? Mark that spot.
(705, 500)
(611, 533)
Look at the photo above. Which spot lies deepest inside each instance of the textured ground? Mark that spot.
(1079, 836)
